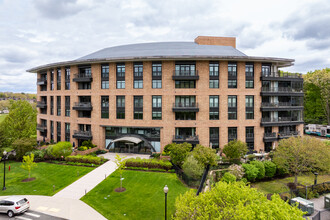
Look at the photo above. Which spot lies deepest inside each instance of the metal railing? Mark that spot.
(82, 75)
(280, 119)
(185, 137)
(289, 134)
(41, 127)
(281, 89)
(280, 104)
(270, 135)
(83, 133)
(83, 104)
(185, 73)
(185, 105)
(281, 75)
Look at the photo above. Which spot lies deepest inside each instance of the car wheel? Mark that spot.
(10, 214)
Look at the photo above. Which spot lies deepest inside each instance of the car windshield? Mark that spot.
(22, 201)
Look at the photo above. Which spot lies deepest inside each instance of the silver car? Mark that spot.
(14, 205)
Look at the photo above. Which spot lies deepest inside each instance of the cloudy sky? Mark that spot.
(36, 32)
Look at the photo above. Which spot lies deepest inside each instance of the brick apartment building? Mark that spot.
(140, 97)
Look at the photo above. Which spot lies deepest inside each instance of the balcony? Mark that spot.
(282, 91)
(41, 127)
(186, 138)
(185, 75)
(82, 77)
(42, 82)
(270, 137)
(268, 106)
(185, 107)
(83, 106)
(84, 135)
(41, 104)
(282, 135)
(281, 121)
(278, 76)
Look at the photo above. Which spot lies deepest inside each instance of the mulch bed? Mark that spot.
(28, 179)
(120, 189)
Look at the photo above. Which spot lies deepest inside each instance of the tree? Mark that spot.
(178, 152)
(234, 201)
(205, 155)
(261, 169)
(235, 149)
(297, 155)
(24, 145)
(120, 162)
(192, 167)
(21, 122)
(228, 178)
(317, 94)
(28, 163)
(251, 171)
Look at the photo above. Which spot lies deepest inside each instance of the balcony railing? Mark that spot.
(87, 135)
(82, 77)
(83, 106)
(279, 119)
(41, 127)
(270, 135)
(186, 138)
(41, 104)
(42, 81)
(280, 104)
(281, 75)
(185, 107)
(281, 89)
(288, 134)
(182, 75)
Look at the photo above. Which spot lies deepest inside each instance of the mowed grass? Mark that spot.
(46, 175)
(143, 199)
(2, 117)
(279, 185)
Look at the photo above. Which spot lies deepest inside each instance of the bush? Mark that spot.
(261, 169)
(235, 149)
(84, 159)
(148, 163)
(101, 152)
(178, 152)
(237, 171)
(251, 172)
(270, 169)
(228, 178)
(60, 149)
(251, 157)
(155, 155)
(38, 154)
(82, 148)
(24, 145)
(88, 144)
(192, 168)
(205, 155)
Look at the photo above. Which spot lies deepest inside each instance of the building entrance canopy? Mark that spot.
(134, 140)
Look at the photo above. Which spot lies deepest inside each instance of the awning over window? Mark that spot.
(134, 140)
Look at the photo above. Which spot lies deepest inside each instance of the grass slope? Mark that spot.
(46, 175)
(143, 199)
(2, 117)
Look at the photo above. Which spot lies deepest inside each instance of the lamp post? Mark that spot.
(4, 170)
(315, 180)
(165, 191)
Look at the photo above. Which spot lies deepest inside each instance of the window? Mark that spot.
(138, 107)
(156, 84)
(249, 84)
(156, 107)
(58, 129)
(52, 105)
(51, 130)
(214, 137)
(67, 132)
(185, 115)
(138, 76)
(85, 72)
(232, 75)
(232, 133)
(214, 108)
(214, 68)
(214, 83)
(265, 69)
(52, 80)
(249, 107)
(232, 107)
(58, 79)
(249, 75)
(58, 105)
(138, 84)
(120, 76)
(138, 70)
(249, 135)
(232, 83)
(120, 84)
(84, 85)
(67, 106)
(185, 69)
(105, 77)
(67, 78)
(180, 84)
(120, 107)
(104, 106)
(120, 70)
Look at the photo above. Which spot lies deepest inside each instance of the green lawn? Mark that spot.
(46, 175)
(143, 198)
(2, 117)
(279, 185)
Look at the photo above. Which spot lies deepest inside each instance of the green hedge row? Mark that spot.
(85, 159)
(148, 163)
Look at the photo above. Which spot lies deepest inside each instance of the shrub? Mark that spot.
(101, 152)
(192, 167)
(251, 172)
(228, 178)
(237, 171)
(84, 159)
(148, 163)
(270, 169)
(155, 155)
(261, 169)
(24, 145)
(205, 155)
(235, 149)
(82, 148)
(88, 144)
(251, 157)
(178, 152)
(38, 154)
(60, 149)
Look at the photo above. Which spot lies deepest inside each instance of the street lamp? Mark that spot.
(165, 191)
(4, 170)
(315, 180)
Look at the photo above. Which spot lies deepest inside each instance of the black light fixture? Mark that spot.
(165, 191)
(4, 170)
(315, 180)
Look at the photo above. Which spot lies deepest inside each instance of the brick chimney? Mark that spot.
(221, 41)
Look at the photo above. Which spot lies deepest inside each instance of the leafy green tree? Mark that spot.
(28, 163)
(24, 145)
(317, 96)
(205, 155)
(235, 149)
(270, 168)
(21, 122)
(234, 201)
(179, 152)
(251, 171)
(228, 178)
(121, 164)
(297, 155)
(192, 167)
(261, 168)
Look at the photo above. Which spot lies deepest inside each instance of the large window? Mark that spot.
(156, 107)
(105, 77)
(58, 131)
(120, 76)
(67, 106)
(232, 107)
(58, 79)
(214, 137)
(58, 105)
(138, 107)
(232, 75)
(214, 107)
(249, 107)
(85, 72)
(249, 135)
(138, 84)
(214, 83)
(249, 75)
(52, 105)
(51, 130)
(67, 78)
(181, 84)
(232, 133)
(104, 106)
(67, 132)
(120, 107)
(156, 83)
(156, 75)
(214, 74)
(52, 80)
(138, 76)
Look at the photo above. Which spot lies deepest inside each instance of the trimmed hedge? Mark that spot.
(84, 159)
(148, 163)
